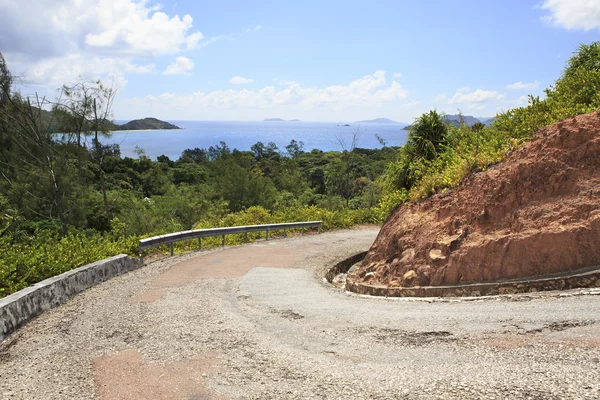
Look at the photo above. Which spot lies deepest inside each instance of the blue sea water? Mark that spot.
(241, 135)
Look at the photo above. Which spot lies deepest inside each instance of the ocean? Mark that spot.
(241, 135)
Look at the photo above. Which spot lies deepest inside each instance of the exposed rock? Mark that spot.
(536, 213)
(436, 254)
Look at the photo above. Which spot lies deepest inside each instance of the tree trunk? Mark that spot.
(99, 159)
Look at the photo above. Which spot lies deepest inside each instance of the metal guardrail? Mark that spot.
(200, 233)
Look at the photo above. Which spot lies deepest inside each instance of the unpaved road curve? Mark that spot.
(257, 322)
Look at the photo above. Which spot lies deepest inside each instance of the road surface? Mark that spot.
(258, 322)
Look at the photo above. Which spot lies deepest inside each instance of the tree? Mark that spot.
(294, 149)
(258, 149)
(586, 57)
(427, 135)
(85, 109)
(219, 152)
(196, 155)
(36, 172)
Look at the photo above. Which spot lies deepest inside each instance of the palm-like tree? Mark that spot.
(427, 135)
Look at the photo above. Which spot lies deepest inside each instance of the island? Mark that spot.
(379, 121)
(274, 120)
(454, 119)
(144, 124)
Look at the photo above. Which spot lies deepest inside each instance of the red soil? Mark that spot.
(536, 213)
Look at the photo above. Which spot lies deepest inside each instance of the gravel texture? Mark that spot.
(283, 333)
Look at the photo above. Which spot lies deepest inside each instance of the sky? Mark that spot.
(324, 60)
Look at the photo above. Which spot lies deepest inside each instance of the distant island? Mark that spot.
(379, 121)
(280, 120)
(54, 124)
(454, 119)
(144, 124)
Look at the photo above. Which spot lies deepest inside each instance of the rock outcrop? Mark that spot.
(534, 214)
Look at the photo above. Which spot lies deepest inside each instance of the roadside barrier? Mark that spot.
(200, 233)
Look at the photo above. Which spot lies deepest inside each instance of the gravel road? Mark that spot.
(258, 322)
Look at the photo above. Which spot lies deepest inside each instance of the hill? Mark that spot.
(534, 214)
(488, 121)
(454, 119)
(144, 124)
(379, 121)
(48, 120)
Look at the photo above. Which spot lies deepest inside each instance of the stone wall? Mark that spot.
(574, 280)
(20, 307)
(343, 266)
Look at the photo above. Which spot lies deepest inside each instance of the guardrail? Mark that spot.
(200, 233)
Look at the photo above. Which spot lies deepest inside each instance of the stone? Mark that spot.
(436, 254)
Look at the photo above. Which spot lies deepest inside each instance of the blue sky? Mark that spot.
(312, 60)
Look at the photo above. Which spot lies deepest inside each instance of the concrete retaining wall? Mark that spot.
(20, 307)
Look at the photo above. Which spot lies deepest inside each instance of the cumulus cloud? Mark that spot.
(523, 85)
(181, 66)
(113, 26)
(55, 71)
(398, 75)
(370, 90)
(238, 80)
(476, 98)
(573, 14)
(77, 31)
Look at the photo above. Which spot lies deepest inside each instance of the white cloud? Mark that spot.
(475, 99)
(441, 97)
(181, 66)
(71, 37)
(368, 91)
(398, 75)
(523, 85)
(256, 28)
(573, 14)
(285, 83)
(55, 71)
(238, 80)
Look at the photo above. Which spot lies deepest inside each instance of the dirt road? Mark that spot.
(258, 322)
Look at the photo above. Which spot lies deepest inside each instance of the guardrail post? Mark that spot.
(267, 235)
(318, 229)
(246, 237)
(223, 241)
(171, 248)
(284, 232)
(199, 243)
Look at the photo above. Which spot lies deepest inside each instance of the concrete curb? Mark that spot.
(585, 278)
(22, 306)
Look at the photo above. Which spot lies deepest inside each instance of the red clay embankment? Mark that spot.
(536, 213)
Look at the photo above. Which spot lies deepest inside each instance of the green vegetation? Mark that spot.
(436, 158)
(67, 199)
